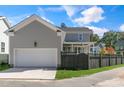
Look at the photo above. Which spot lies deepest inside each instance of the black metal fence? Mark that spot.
(89, 61)
(4, 58)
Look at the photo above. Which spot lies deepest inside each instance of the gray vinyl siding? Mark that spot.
(71, 37)
(74, 37)
(35, 31)
(86, 37)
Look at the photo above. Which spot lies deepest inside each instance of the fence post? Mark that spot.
(121, 60)
(75, 61)
(7, 59)
(100, 60)
(89, 62)
(109, 60)
(61, 65)
(116, 60)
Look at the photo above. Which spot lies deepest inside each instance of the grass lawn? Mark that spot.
(4, 67)
(62, 74)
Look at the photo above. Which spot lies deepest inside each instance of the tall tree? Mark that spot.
(110, 38)
(95, 38)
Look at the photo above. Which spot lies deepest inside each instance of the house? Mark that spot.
(4, 39)
(119, 47)
(35, 43)
(77, 39)
(97, 48)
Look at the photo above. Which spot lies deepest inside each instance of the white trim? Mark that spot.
(87, 32)
(11, 34)
(79, 43)
(5, 21)
(14, 52)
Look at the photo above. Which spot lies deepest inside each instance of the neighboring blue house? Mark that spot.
(97, 48)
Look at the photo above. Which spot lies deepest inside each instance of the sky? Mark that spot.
(99, 18)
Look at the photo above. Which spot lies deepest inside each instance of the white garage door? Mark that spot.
(44, 57)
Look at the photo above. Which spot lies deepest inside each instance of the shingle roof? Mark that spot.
(76, 29)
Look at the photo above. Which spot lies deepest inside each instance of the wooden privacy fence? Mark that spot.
(4, 58)
(74, 61)
(96, 61)
(89, 61)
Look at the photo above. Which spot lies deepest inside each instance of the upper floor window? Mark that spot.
(2, 47)
(80, 35)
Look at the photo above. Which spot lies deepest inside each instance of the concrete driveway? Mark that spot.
(28, 73)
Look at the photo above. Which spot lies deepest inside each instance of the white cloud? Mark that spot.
(93, 14)
(51, 9)
(54, 9)
(41, 12)
(97, 30)
(16, 19)
(88, 14)
(121, 27)
(70, 10)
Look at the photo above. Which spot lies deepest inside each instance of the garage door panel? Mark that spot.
(36, 57)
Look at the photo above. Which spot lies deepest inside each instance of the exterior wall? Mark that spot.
(86, 37)
(3, 37)
(71, 37)
(62, 39)
(74, 37)
(35, 32)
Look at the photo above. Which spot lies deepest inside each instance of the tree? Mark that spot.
(63, 25)
(95, 38)
(121, 35)
(110, 38)
(107, 50)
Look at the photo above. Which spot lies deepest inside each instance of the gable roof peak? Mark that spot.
(30, 19)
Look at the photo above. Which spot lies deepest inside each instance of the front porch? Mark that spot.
(78, 47)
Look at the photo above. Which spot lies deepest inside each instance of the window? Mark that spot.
(80, 36)
(121, 47)
(2, 47)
